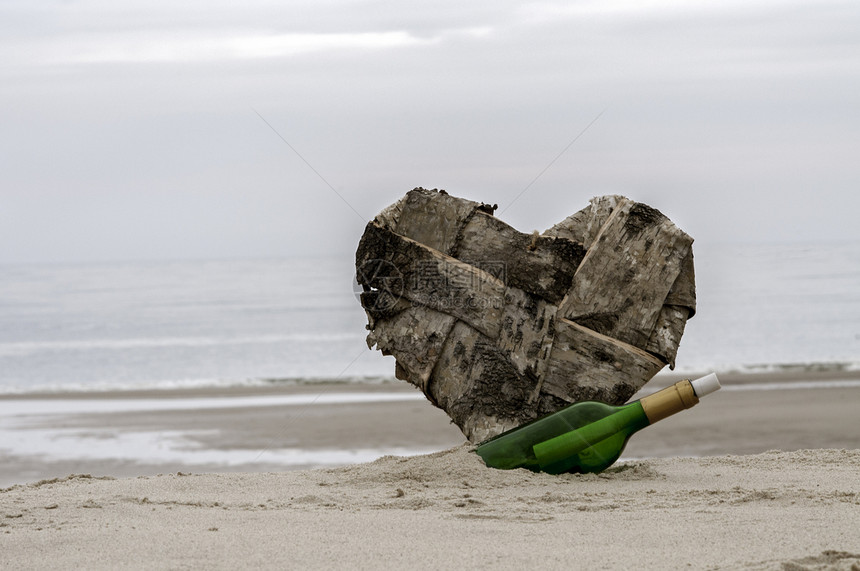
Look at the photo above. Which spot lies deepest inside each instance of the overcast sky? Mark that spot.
(129, 130)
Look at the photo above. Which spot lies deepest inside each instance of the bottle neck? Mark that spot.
(668, 401)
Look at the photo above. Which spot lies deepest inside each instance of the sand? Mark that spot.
(778, 510)
(773, 483)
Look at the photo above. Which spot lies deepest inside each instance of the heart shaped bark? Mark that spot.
(498, 327)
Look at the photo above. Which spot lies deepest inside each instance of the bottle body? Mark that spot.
(595, 435)
(587, 436)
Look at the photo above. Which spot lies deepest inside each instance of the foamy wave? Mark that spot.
(11, 409)
(18, 349)
(795, 385)
(180, 384)
(756, 368)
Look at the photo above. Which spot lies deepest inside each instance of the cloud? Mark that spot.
(91, 31)
(184, 47)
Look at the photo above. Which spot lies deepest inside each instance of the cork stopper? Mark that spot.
(706, 385)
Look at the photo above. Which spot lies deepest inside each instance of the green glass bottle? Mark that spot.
(588, 436)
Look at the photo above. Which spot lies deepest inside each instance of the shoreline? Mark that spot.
(131, 433)
(662, 379)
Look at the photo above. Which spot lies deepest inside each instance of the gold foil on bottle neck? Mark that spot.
(668, 401)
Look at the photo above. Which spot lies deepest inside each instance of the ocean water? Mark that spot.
(233, 322)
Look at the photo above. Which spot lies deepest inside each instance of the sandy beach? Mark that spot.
(761, 475)
(778, 510)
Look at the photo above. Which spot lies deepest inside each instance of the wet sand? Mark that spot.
(254, 438)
